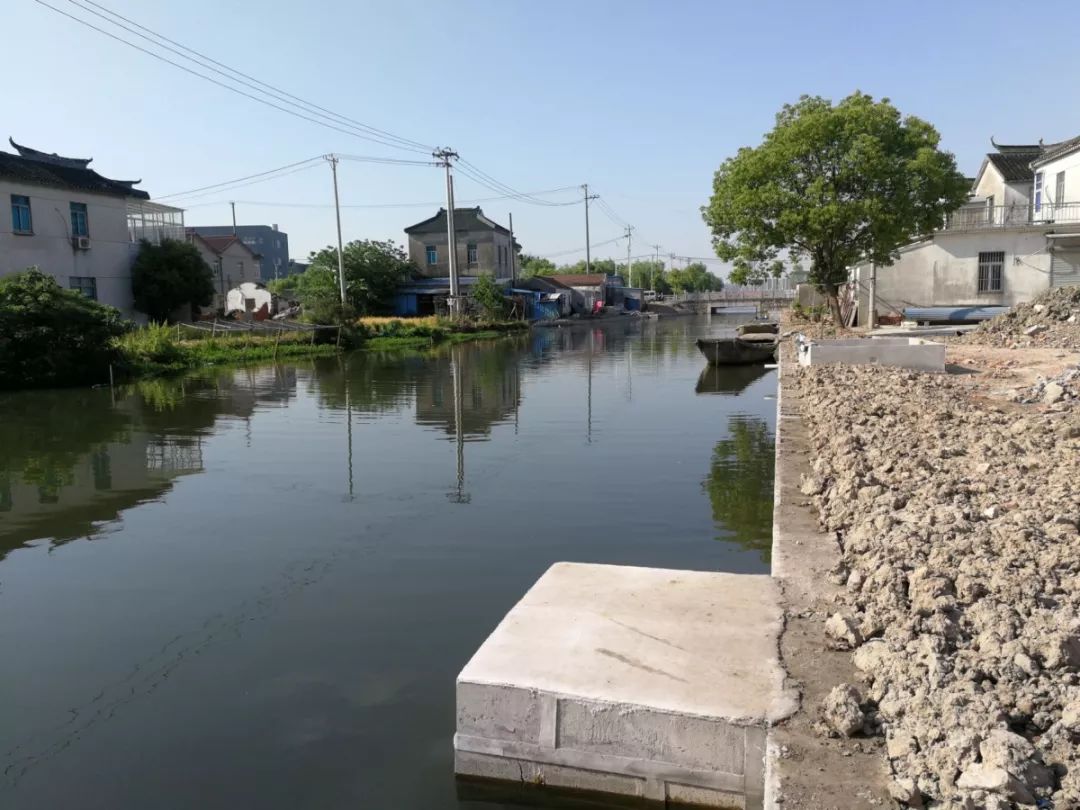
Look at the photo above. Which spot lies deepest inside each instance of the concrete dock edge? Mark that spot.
(803, 768)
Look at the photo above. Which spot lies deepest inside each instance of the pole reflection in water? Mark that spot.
(459, 495)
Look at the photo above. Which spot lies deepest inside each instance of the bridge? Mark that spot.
(731, 299)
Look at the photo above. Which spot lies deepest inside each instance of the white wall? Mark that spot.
(1070, 164)
(236, 298)
(991, 183)
(944, 271)
(110, 255)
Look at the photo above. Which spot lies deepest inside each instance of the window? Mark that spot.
(990, 209)
(501, 259)
(80, 225)
(990, 267)
(20, 214)
(470, 254)
(1059, 189)
(1038, 191)
(87, 285)
(432, 255)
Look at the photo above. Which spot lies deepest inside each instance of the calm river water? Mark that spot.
(254, 589)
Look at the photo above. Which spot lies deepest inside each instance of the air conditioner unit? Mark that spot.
(81, 242)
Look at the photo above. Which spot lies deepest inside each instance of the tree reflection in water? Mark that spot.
(740, 484)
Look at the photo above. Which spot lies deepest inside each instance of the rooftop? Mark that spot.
(42, 169)
(1056, 150)
(465, 219)
(219, 244)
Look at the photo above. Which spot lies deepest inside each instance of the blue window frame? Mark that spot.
(432, 255)
(87, 285)
(1038, 191)
(80, 225)
(21, 221)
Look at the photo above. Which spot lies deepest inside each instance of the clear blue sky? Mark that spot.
(642, 100)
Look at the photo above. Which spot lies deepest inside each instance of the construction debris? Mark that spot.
(1051, 319)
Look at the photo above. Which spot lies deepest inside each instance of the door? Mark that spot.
(1064, 267)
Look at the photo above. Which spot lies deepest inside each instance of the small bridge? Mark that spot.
(732, 299)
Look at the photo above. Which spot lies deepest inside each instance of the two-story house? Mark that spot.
(233, 263)
(76, 225)
(484, 247)
(268, 241)
(1018, 235)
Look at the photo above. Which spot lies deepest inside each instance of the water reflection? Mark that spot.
(740, 484)
(728, 379)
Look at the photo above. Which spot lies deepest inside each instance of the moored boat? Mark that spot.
(759, 328)
(739, 351)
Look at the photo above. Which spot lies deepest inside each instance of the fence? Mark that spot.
(1011, 216)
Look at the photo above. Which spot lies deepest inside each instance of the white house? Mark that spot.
(250, 298)
(74, 224)
(1016, 237)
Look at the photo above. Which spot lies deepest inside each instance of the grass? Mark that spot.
(414, 333)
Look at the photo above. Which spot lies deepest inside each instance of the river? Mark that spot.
(254, 587)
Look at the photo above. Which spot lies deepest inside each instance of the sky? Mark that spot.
(641, 100)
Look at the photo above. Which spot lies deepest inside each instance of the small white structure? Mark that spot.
(639, 682)
(249, 298)
(914, 353)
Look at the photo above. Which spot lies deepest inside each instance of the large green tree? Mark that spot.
(835, 184)
(50, 336)
(373, 269)
(535, 266)
(695, 277)
(168, 276)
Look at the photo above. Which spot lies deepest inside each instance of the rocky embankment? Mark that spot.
(1051, 319)
(958, 520)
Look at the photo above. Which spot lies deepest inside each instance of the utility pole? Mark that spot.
(445, 156)
(629, 261)
(337, 211)
(233, 206)
(871, 317)
(657, 265)
(513, 252)
(588, 249)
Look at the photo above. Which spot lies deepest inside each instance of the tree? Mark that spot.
(836, 184)
(373, 270)
(695, 277)
(489, 296)
(168, 276)
(753, 274)
(536, 266)
(50, 336)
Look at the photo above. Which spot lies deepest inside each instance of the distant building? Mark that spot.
(271, 244)
(81, 228)
(483, 245)
(589, 288)
(1018, 236)
(233, 263)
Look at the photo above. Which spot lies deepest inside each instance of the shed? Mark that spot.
(251, 298)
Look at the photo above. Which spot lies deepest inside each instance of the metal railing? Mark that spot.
(1011, 216)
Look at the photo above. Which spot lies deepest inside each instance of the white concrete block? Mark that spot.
(631, 681)
(914, 353)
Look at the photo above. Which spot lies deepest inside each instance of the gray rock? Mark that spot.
(842, 711)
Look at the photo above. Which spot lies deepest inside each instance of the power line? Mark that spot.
(279, 204)
(211, 60)
(481, 177)
(323, 123)
(580, 249)
(239, 179)
(181, 200)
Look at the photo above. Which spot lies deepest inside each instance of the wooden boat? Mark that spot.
(759, 328)
(739, 351)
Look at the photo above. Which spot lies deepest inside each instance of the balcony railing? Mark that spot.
(1011, 216)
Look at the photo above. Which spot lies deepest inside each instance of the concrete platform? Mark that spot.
(636, 682)
(902, 352)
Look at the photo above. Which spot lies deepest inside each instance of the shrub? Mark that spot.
(168, 276)
(50, 336)
(155, 345)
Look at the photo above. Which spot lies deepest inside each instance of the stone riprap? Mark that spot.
(958, 520)
(1051, 319)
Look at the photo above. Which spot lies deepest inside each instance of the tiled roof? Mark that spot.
(1014, 167)
(38, 169)
(219, 244)
(465, 219)
(1056, 150)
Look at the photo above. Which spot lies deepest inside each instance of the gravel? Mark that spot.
(958, 518)
(1051, 319)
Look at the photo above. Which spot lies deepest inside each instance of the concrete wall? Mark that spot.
(488, 259)
(1009, 194)
(944, 271)
(49, 247)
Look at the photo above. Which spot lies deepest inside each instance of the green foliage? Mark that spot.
(536, 266)
(836, 184)
(154, 346)
(605, 266)
(373, 270)
(50, 336)
(753, 273)
(489, 296)
(695, 277)
(740, 484)
(168, 276)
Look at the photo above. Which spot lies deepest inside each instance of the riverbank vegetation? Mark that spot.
(647, 274)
